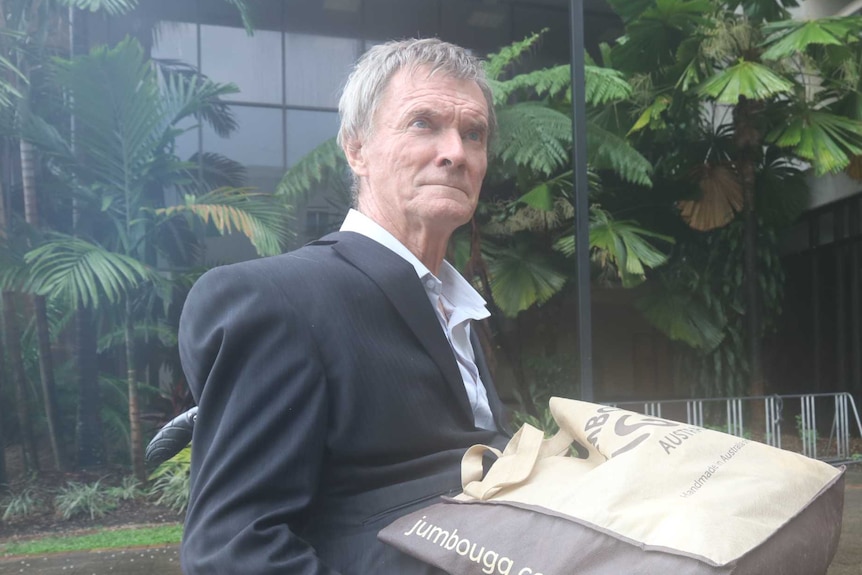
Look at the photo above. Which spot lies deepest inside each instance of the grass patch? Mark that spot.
(101, 539)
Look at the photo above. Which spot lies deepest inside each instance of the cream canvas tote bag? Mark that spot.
(617, 492)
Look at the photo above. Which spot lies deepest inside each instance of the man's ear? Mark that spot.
(355, 154)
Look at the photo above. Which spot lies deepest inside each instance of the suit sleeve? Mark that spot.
(254, 369)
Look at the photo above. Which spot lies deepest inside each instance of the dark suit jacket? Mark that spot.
(330, 403)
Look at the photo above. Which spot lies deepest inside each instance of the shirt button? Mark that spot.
(429, 283)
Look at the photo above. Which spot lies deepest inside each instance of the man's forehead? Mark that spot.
(421, 86)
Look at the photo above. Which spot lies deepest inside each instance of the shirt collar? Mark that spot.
(451, 285)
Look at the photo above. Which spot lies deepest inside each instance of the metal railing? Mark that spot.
(739, 416)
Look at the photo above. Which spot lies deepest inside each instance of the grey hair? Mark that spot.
(373, 71)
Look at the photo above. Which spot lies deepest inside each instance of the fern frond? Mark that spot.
(607, 150)
(497, 62)
(533, 136)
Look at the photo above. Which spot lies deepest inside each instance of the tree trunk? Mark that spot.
(91, 445)
(46, 364)
(135, 437)
(4, 480)
(19, 378)
(748, 139)
(12, 339)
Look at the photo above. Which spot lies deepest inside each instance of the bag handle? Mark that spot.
(513, 466)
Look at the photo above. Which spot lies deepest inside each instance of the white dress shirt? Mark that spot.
(454, 301)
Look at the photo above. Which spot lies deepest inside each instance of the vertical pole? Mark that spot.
(581, 195)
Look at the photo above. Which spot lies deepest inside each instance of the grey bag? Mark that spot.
(619, 493)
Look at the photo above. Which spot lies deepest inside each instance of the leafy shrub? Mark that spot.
(129, 489)
(23, 503)
(91, 499)
(171, 485)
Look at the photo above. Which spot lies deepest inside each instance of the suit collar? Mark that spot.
(398, 281)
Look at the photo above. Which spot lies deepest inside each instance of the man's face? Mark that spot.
(423, 163)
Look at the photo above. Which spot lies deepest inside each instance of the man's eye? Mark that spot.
(474, 136)
(420, 123)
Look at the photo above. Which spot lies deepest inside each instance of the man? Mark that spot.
(337, 385)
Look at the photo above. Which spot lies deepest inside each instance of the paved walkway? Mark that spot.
(165, 560)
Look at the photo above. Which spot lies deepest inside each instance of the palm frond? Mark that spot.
(763, 10)
(652, 40)
(257, 216)
(216, 171)
(244, 14)
(533, 136)
(652, 116)
(782, 190)
(112, 7)
(826, 140)
(623, 246)
(628, 10)
(791, 37)
(319, 166)
(141, 331)
(745, 79)
(70, 268)
(522, 276)
(8, 92)
(186, 93)
(682, 317)
(119, 129)
(719, 201)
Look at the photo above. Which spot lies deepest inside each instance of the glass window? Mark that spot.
(257, 145)
(399, 19)
(176, 41)
(316, 68)
(480, 26)
(306, 130)
(253, 63)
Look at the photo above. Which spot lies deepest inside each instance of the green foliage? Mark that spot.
(745, 79)
(610, 151)
(788, 38)
(806, 435)
(499, 62)
(235, 210)
(66, 267)
(533, 136)
(112, 7)
(323, 167)
(128, 489)
(826, 140)
(171, 486)
(22, 503)
(621, 248)
(522, 275)
(91, 499)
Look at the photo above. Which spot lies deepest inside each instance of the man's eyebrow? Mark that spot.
(478, 124)
(422, 111)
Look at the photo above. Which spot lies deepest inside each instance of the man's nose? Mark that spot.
(451, 149)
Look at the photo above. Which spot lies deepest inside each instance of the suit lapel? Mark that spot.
(397, 279)
(498, 410)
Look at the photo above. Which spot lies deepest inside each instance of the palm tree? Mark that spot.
(734, 96)
(121, 165)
